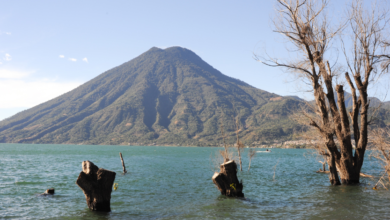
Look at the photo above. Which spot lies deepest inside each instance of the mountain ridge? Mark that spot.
(164, 96)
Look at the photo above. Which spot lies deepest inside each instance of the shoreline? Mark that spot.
(155, 145)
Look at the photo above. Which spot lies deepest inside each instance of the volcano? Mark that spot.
(163, 97)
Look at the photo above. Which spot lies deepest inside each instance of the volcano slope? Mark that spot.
(162, 97)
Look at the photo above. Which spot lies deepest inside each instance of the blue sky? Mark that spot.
(50, 47)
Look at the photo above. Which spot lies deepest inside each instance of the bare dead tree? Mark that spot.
(251, 154)
(381, 148)
(225, 152)
(226, 179)
(305, 25)
(225, 155)
(365, 64)
(239, 145)
(323, 164)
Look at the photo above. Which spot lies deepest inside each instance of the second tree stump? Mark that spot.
(97, 186)
(226, 180)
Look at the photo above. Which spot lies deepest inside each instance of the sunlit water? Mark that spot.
(175, 183)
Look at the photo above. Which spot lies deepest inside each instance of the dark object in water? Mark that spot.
(226, 180)
(49, 191)
(97, 186)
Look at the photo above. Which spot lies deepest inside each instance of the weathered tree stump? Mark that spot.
(226, 180)
(97, 186)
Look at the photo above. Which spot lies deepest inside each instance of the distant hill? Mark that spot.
(374, 102)
(166, 97)
(379, 112)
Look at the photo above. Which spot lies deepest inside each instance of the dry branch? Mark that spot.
(381, 149)
(251, 154)
(239, 145)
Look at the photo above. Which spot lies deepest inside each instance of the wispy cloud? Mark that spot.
(7, 57)
(23, 93)
(73, 59)
(8, 33)
(62, 56)
(85, 59)
(14, 74)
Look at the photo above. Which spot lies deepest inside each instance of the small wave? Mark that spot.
(26, 183)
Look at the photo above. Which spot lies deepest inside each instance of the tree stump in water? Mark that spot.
(226, 180)
(97, 186)
(50, 191)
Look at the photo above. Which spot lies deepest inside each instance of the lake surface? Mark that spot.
(175, 183)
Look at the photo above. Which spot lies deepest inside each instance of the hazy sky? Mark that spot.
(50, 47)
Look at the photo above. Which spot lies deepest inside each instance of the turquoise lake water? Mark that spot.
(175, 183)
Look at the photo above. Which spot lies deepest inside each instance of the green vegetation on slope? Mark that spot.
(169, 97)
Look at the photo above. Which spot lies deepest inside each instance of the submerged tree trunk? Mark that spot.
(226, 180)
(333, 175)
(97, 186)
(123, 163)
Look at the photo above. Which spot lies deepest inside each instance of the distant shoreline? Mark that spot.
(156, 145)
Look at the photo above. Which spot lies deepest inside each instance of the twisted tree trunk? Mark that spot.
(97, 186)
